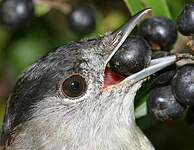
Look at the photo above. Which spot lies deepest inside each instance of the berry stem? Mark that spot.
(184, 58)
(190, 43)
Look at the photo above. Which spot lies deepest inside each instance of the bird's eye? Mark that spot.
(74, 86)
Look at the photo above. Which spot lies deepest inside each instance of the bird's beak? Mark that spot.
(154, 66)
(126, 29)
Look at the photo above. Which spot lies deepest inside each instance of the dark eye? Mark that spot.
(74, 86)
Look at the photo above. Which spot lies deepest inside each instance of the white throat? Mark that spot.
(110, 127)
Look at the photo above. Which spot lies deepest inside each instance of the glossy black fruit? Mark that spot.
(183, 85)
(161, 32)
(162, 104)
(81, 19)
(159, 54)
(185, 20)
(16, 13)
(165, 75)
(133, 56)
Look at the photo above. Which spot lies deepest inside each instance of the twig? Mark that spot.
(184, 58)
(190, 43)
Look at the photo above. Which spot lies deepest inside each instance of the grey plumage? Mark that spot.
(40, 117)
(101, 119)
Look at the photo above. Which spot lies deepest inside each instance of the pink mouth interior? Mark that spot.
(111, 78)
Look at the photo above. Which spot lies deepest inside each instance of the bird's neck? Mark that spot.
(108, 126)
(111, 123)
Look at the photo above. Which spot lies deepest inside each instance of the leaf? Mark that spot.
(159, 7)
(141, 98)
(141, 110)
(134, 6)
(175, 7)
(41, 10)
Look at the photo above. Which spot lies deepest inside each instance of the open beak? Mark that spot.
(126, 29)
(154, 66)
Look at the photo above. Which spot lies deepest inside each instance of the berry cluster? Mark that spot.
(173, 87)
(174, 90)
(17, 13)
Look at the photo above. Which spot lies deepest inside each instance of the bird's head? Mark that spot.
(70, 93)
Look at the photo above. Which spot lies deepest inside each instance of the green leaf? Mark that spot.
(41, 10)
(159, 7)
(134, 6)
(141, 99)
(141, 110)
(175, 7)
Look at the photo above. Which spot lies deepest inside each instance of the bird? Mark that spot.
(61, 102)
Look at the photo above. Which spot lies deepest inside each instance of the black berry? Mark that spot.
(183, 85)
(165, 75)
(185, 20)
(133, 56)
(159, 54)
(16, 13)
(161, 32)
(162, 104)
(81, 19)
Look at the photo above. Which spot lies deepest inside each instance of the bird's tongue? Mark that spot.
(111, 78)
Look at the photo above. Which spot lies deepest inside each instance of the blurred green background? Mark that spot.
(21, 47)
